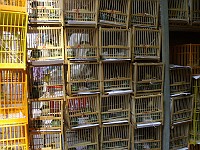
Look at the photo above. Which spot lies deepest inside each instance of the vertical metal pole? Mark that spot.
(165, 59)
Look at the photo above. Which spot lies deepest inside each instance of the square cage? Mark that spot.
(178, 10)
(13, 5)
(115, 137)
(82, 138)
(45, 11)
(13, 88)
(13, 29)
(182, 108)
(78, 12)
(145, 13)
(179, 136)
(186, 55)
(82, 77)
(81, 43)
(45, 140)
(195, 11)
(147, 109)
(46, 115)
(115, 43)
(180, 79)
(115, 108)
(46, 82)
(45, 43)
(148, 138)
(114, 12)
(83, 111)
(148, 78)
(146, 44)
(14, 137)
(116, 75)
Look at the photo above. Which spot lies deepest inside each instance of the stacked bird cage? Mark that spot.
(145, 13)
(178, 11)
(114, 13)
(13, 75)
(45, 11)
(194, 11)
(187, 55)
(80, 12)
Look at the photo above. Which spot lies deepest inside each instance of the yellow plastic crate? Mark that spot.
(13, 29)
(13, 88)
(13, 5)
(13, 137)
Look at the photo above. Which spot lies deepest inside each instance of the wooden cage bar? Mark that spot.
(83, 111)
(195, 11)
(13, 5)
(115, 43)
(81, 43)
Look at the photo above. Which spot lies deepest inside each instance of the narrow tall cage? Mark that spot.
(115, 137)
(46, 115)
(83, 111)
(82, 77)
(45, 140)
(195, 11)
(13, 88)
(13, 29)
(13, 5)
(145, 13)
(148, 78)
(179, 136)
(181, 108)
(180, 79)
(45, 11)
(178, 10)
(82, 138)
(46, 82)
(14, 137)
(115, 43)
(147, 109)
(115, 108)
(116, 75)
(187, 55)
(148, 138)
(146, 44)
(114, 12)
(81, 43)
(45, 43)
(78, 12)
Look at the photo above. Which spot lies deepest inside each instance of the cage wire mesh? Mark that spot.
(46, 115)
(180, 79)
(145, 13)
(182, 108)
(115, 137)
(115, 108)
(115, 43)
(114, 12)
(146, 44)
(82, 77)
(147, 77)
(116, 76)
(14, 137)
(81, 12)
(45, 11)
(45, 43)
(148, 138)
(147, 109)
(82, 138)
(13, 29)
(83, 111)
(45, 140)
(46, 82)
(81, 43)
(13, 88)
